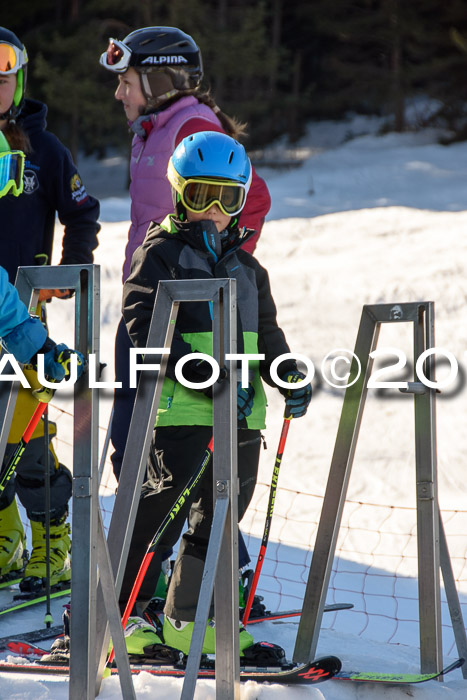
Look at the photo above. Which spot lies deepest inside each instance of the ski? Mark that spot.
(156, 608)
(9, 582)
(33, 636)
(395, 678)
(20, 603)
(287, 673)
(314, 672)
(25, 648)
(40, 635)
(284, 614)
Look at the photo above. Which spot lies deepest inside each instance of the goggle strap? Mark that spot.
(18, 96)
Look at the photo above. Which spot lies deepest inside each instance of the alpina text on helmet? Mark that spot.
(164, 59)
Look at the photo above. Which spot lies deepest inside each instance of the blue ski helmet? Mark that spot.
(13, 60)
(220, 167)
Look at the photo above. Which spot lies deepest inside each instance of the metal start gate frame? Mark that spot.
(432, 546)
(89, 548)
(221, 566)
(92, 553)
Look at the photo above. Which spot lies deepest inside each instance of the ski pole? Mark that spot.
(48, 619)
(267, 524)
(21, 446)
(192, 482)
(44, 395)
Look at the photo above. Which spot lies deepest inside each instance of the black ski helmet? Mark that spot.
(19, 69)
(167, 59)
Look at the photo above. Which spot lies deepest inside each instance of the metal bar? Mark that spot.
(226, 595)
(429, 595)
(336, 490)
(205, 595)
(84, 279)
(169, 295)
(455, 610)
(225, 485)
(85, 496)
(113, 614)
(133, 470)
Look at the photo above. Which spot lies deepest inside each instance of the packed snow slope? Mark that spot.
(364, 220)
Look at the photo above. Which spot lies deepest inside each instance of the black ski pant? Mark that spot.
(176, 453)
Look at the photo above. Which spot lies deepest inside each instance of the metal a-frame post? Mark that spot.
(224, 563)
(421, 314)
(88, 541)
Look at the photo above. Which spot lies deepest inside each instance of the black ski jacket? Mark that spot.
(52, 185)
(184, 251)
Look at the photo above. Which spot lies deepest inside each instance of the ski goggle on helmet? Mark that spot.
(210, 168)
(12, 58)
(11, 169)
(117, 57)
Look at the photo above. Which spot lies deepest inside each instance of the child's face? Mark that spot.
(214, 214)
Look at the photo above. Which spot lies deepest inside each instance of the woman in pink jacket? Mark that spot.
(159, 75)
(159, 71)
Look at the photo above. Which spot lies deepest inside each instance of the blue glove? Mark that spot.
(296, 400)
(57, 361)
(244, 401)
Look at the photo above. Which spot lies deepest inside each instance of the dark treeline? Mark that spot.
(273, 63)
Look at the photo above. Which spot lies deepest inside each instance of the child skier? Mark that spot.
(210, 174)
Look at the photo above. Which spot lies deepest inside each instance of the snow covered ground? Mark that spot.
(374, 219)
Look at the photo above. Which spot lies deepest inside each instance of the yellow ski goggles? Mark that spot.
(11, 169)
(199, 194)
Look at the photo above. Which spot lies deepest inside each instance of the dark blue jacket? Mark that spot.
(52, 186)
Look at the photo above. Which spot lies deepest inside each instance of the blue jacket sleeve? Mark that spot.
(21, 335)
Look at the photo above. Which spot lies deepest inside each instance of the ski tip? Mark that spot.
(335, 663)
(456, 664)
(318, 670)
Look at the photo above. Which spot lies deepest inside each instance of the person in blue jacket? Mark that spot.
(51, 186)
(24, 336)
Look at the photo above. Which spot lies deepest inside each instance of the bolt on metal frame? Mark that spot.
(429, 526)
(221, 565)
